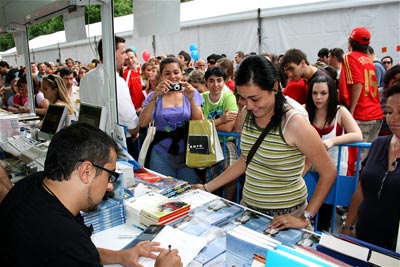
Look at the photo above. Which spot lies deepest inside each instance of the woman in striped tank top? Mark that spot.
(274, 183)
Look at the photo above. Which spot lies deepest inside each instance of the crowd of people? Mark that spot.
(291, 115)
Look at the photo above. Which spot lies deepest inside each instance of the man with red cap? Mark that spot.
(358, 86)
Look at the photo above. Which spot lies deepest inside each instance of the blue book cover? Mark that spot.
(114, 212)
(191, 225)
(217, 211)
(249, 219)
(289, 236)
(215, 245)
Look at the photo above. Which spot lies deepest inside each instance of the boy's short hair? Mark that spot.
(216, 71)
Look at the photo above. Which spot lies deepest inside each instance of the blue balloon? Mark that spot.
(193, 47)
(194, 54)
(133, 48)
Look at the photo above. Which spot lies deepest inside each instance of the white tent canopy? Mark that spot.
(223, 26)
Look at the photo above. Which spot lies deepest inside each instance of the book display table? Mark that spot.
(212, 231)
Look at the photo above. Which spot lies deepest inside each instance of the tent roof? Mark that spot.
(192, 13)
(200, 12)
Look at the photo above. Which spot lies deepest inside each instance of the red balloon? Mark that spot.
(146, 55)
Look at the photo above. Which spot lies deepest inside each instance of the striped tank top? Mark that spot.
(274, 175)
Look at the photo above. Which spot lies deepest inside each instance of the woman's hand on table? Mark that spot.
(285, 221)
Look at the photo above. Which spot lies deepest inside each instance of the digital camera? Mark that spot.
(176, 87)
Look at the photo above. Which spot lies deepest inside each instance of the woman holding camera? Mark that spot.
(171, 104)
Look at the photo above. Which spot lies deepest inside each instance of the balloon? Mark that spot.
(194, 54)
(193, 47)
(146, 55)
(133, 48)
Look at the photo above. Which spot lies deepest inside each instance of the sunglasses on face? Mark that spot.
(386, 62)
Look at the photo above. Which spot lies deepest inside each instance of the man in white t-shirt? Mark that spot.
(67, 75)
(92, 89)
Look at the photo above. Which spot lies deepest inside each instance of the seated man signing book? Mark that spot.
(40, 221)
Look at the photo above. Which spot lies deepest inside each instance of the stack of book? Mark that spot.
(356, 252)
(243, 243)
(135, 205)
(164, 212)
(109, 213)
(167, 186)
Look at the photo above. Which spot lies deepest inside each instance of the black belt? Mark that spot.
(273, 212)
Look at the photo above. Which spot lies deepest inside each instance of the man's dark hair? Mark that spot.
(338, 53)
(65, 71)
(389, 57)
(240, 53)
(4, 64)
(356, 46)
(293, 56)
(100, 45)
(76, 143)
(187, 57)
(214, 57)
(216, 71)
(47, 64)
(68, 59)
(323, 52)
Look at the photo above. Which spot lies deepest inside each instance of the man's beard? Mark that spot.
(91, 205)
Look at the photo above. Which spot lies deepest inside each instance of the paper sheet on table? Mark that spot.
(117, 237)
(187, 245)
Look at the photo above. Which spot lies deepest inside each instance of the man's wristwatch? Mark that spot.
(347, 227)
(307, 215)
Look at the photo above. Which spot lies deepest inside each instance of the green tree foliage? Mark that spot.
(92, 15)
(6, 41)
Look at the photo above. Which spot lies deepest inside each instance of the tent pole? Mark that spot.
(259, 30)
(153, 44)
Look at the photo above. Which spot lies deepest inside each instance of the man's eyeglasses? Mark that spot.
(386, 62)
(113, 175)
(211, 62)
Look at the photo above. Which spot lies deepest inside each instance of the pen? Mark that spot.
(169, 248)
(125, 236)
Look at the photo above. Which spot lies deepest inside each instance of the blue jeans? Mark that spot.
(173, 166)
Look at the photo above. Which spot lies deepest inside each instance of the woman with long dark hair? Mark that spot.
(274, 184)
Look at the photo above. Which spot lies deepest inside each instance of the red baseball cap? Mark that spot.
(361, 35)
